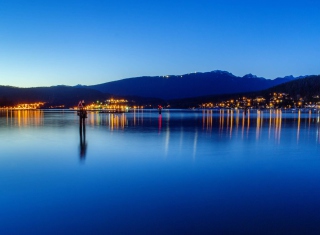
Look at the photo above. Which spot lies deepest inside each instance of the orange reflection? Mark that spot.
(237, 119)
(278, 121)
(221, 121)
(210, 120)
(94, 118)
(25, 117)
(228, 117)
(270, 123)
(309, 119)
(117, 121)
(91, 117)
(258, 124)
(243, 121)
(207, 119)
(231, 123)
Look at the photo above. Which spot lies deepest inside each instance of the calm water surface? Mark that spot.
(182, 172)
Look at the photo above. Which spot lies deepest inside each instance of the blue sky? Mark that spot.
(44, 43)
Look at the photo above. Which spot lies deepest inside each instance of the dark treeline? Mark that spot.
(5, 102)
(304, 87)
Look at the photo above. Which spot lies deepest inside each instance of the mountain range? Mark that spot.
(159, 89)
(188, 85)
(56, 95)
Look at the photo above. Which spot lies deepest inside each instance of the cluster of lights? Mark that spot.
(281, 100)
(276, 100)
(36, 105)
(137, 107)
(115, 101)
(111, 104)
(238, 103)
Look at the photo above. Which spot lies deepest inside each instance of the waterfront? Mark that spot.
(182, 172)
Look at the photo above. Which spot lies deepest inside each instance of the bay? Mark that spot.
(181, 172)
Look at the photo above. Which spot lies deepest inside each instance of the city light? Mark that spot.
(274, 100)
(36, 105)
(110, 105)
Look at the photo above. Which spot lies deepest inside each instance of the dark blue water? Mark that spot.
(182, 172)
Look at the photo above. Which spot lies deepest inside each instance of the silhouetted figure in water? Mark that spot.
(245, 111)
(83, 144)
(82, 113)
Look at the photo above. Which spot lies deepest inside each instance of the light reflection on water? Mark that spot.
(23, 118)
(203, 171)
(229, 121)
(226, 124)
(261, 125)
(226, 119)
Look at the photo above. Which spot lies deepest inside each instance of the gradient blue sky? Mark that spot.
(44, 43)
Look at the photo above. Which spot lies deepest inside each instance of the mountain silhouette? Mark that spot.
(188, 85)
(179, 91)
(305, 87)
(55, 95)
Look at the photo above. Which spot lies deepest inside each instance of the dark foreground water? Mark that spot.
(182, 172)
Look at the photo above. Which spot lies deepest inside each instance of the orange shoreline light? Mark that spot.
(36, 105)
